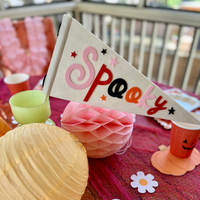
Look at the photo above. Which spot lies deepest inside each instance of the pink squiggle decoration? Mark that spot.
(74, 66)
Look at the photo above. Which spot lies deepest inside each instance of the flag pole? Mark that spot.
(45, 98)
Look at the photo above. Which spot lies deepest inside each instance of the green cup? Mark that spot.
(29, 107)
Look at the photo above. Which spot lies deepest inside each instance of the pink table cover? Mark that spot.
(109, 178)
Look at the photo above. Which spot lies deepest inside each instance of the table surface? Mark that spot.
(109, 178)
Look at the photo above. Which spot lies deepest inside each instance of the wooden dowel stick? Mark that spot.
(45, 98)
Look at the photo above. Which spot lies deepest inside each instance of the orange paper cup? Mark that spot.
(4, 128)
(17, 82)
(184, 137)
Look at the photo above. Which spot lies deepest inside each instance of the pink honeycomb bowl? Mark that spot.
(102, 131)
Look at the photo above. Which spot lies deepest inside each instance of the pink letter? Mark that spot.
(142, 101)
(81, 69)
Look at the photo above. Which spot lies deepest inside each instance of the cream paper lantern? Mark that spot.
(41, 161)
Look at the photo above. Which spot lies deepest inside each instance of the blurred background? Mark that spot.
(158, 37)
(192, 5)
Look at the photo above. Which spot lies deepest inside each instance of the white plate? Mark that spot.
(186, 101)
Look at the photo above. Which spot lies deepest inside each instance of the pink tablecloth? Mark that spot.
(109, 178)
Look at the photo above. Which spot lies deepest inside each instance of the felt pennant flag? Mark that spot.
(85, 70)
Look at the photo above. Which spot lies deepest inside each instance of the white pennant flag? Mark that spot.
(85, 70)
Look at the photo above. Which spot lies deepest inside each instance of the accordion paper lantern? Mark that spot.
(102, 131)
(40, 161)
(4, 128)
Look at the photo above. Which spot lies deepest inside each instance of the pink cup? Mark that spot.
(184, 137)
(17, 82)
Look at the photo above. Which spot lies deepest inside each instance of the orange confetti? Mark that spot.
(103, 98)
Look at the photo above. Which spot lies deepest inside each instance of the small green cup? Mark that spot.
(29, 107)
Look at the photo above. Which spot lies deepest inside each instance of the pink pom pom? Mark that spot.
(102, 131)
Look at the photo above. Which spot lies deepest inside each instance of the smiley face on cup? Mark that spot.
(183, 138)
(187, 146)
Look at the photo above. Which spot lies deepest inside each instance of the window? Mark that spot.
(175, 4)
(19, 3)
(126, 2)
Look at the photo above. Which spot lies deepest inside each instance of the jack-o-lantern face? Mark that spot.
(187, 146)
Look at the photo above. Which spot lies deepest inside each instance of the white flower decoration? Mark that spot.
(143, 182)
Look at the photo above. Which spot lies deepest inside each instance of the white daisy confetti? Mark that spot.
(13, 121)
(143, 182)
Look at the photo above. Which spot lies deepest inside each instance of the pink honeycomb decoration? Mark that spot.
(102, 131)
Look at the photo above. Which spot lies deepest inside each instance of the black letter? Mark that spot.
(117, 93)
